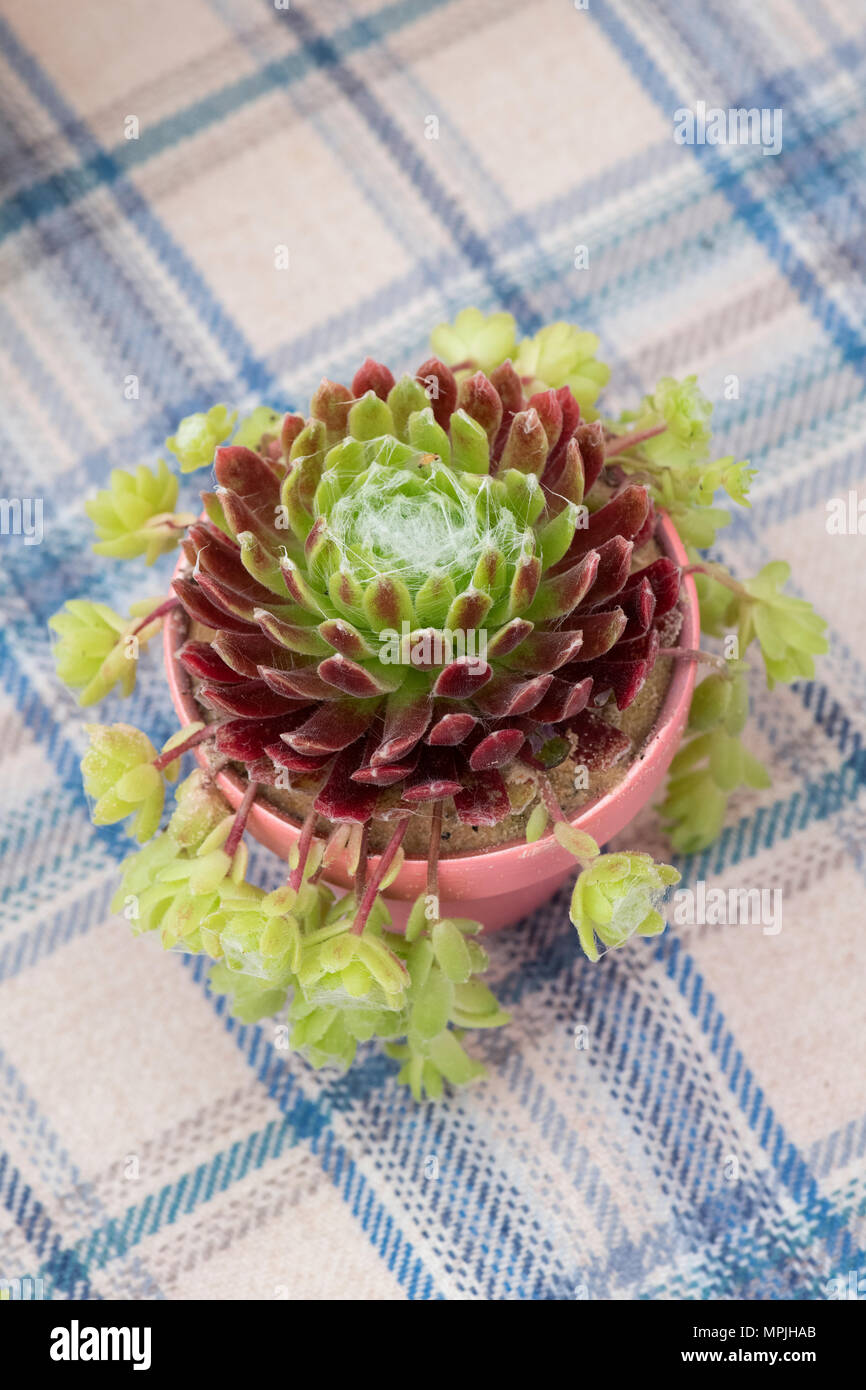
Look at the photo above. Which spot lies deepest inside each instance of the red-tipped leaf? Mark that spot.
(434, 778)
(559, 594)
(590, 438)
(252, 700)
(623, 678)
(599, 745)
(546, 650)
(623, 516)
(247, 475)
(507, 695)
(461, 678)
(509, 636)
(638, 603)
(242, 740)
(600, 631)
(562, 700)
(299, 683)
(407, 716)
(548, 407)
(451, 729)
(200, 659)
(441, 386)
(345, 638)
(496, 749)
(614, 562)
(342, 798)
(664, 577)
(286, 757)
(333, 726)
(199, 607)
(245, 654)
(372, 376)
(354, 679)
(483, 800)
(480, 399)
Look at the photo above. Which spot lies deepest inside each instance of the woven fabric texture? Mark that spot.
(415, 156)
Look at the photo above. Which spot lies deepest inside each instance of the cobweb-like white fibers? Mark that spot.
(405, 523)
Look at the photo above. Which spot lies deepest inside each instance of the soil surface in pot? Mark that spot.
(637, 723)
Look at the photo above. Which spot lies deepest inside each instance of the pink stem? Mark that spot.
(361, 871)
(549, 798)
(240, 821)
(379, 873)
(628, 441)
(721, 578)
(159, 612)
(179, 749)
(695, 654)
(304, 841)
(435, 844)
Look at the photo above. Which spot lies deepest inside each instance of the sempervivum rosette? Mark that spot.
(423, 605)
(416, 587)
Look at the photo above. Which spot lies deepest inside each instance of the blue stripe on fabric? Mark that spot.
(34, 1222)
(169, 415)
(777, 1147)
(681, 968)
(330, 127)
(481, 177)
(418, 171)
(156, 1211)
(135, 208)
(59, 1264)
(824, 176)
(381, 304)
(75, 182)
(284, 1090)
(65, 417)
(753, 212)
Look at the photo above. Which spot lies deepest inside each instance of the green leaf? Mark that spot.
(556, 536)
(469, 444)
(261, 421)
(710, 702)
(537, 823)
(197, 436)
(581, 845)
(454, 1063)
(432, 1006)
(433, 600)
(560, 354)
(479, 340)
(429, 437)
(370, 418)
(417, 920)
(406, 397)
(451, 951)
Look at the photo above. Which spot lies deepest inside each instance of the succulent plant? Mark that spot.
(617, 896)
(428, 594)
(412, 596)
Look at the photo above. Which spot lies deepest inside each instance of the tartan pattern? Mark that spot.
(150, 1146)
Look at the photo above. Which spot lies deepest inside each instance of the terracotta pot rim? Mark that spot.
(676, 697)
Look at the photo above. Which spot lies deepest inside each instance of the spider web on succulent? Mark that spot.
(383, 526)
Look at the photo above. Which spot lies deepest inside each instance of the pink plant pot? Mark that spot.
(498, 886)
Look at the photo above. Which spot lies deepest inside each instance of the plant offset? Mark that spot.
(421, 599)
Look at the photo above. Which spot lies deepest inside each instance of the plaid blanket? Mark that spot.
(685, 1119)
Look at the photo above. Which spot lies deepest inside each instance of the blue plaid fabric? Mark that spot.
(707, 1141)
